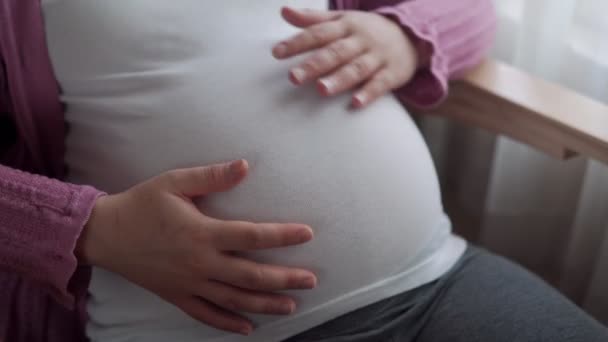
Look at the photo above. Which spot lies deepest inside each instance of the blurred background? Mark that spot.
(549, 215)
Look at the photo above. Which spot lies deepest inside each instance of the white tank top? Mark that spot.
(152, 85)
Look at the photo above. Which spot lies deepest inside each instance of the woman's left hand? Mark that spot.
(353, 49)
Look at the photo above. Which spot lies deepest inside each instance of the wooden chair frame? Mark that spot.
(507, 101)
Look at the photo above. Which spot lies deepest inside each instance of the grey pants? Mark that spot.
(483, 298)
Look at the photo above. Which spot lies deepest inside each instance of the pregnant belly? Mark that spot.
(362, 179)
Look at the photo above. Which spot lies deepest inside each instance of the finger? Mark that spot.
(382, 83)
(350, 75)
(215, 316)
(243, 236)
(306, 17)
(313, 37)
(241, 300)
(327, 59)
(200, 181)
(250, 275)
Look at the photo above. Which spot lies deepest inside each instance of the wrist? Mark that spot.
(89, 246)
(422, 50)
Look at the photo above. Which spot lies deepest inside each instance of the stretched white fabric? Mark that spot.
(152, 85)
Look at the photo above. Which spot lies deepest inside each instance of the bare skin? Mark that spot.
(352, 50)
(154, 236)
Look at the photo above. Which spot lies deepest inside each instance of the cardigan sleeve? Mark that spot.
(40, 218)
(451, 36)
(40, 222)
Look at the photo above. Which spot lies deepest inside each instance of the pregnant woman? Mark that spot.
(147, 93)
(152, 86)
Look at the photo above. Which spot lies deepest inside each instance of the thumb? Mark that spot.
(307, 17)
(200, 181)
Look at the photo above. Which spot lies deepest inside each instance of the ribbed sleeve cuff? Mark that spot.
(40, 222)
(451, 35)
(430, 83)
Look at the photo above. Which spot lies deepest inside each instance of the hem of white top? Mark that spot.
(430, 269)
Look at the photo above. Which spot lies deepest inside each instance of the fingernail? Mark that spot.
(298, 75)
(327, 84)
(360, 100)
(246, 330)
(309, 282)
(287, 308)
(304, 234)
(280, 50)
(236, 169)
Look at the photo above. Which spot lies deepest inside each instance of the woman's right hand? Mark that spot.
(154, 236)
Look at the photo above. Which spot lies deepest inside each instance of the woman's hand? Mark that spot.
(154, 236)
(353, 48)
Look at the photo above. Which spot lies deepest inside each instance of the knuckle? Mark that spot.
(292, 280)
(231, 303)
(352, 45)
(318, 34)
(361, 68)
(202, 236)
(283, 237)
(262, 305)
(256, 278)
(305, 39)
(337, 51)
(253, 304)
(173, 178)
(300, 40)
(314, 64)
(214, 174)
(197, 266)
(344, 25)
(254, 237)
(343, 78)
(269, 307)
(373, 90)
(273, 306)
(383, 81)
(369, 93)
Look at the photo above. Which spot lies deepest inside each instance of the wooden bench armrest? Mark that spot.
(505, 100)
